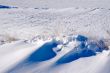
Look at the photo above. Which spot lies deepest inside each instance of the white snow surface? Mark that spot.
(13, 54)
(28, 23)
(35, 22)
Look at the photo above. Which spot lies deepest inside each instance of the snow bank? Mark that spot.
(86, 48)
(44, 59)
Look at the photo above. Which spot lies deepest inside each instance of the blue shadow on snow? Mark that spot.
(74, 55)
(45, 52)
(6, 7)
(84, 49)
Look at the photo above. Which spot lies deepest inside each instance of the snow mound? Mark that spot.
(44, 58)
(85, 48)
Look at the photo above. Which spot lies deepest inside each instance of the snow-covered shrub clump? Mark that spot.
(85, 48)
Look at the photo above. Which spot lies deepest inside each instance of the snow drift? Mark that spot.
(46, 55)
(84, 49)
(42, 40)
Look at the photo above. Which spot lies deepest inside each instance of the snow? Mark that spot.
(54, 36)
(87, 64)
(36, 57)
(30, 22)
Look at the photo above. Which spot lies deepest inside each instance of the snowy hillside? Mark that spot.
(57, 36)
(29, 23)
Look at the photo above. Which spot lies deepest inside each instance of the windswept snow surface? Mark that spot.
(39, 57)
(28, 23)
(41, 40)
